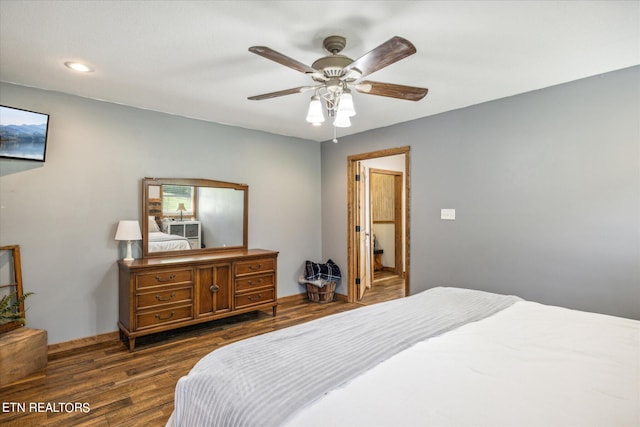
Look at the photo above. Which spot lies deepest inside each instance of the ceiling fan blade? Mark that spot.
(291, 91)
(278, 57)
(410, 93)
(387, 53)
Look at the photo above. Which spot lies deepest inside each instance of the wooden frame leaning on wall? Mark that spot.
(11, 272)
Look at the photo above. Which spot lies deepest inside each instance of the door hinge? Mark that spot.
(357, 280)
(357, 178)
(357, 228)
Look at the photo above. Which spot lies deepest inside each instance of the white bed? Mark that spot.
(524, 364)
(160, 242)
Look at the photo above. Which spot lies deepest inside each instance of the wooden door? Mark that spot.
(364, 274)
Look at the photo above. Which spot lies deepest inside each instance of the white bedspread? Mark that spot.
(528, 365)
(263, 380)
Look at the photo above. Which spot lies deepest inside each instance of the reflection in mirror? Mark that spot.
(221, 213)
(193, 215)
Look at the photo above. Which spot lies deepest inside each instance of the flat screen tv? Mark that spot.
(23, 134)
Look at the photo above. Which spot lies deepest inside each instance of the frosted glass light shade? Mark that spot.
(341, 120)
(314, 115)
(345, 106)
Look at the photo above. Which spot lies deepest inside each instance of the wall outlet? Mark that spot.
(448, 214)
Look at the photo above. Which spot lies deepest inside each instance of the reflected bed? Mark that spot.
(160, 242)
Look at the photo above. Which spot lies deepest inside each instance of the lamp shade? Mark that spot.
(181, 207)
(128, 230)
(314, 115)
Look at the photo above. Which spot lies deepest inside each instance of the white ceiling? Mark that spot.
(190, 58)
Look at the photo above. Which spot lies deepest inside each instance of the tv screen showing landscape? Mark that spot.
(23, 134)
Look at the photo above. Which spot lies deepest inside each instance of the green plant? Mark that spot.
(10, 308)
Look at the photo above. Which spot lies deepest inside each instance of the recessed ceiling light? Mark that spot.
(78, 66)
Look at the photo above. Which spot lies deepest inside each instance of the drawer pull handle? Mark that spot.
(258, 298)
(159, 298)
(214, 288)
(165, 318)
(160, 279)
(255, 267)
(258, 282)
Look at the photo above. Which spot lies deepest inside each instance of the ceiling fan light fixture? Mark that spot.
(335, 74)
(345, 106)
(314, 114)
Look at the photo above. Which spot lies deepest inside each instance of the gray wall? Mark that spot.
(64, 213)
(546, 187)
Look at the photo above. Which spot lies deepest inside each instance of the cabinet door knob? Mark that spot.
(214, 288)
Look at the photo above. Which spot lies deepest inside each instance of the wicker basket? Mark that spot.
(321, 295)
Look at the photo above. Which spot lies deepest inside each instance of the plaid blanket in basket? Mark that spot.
(329, 271)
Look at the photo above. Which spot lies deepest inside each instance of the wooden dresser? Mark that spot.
(160, 294)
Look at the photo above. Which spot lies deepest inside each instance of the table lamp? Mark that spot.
(128, 230)
(181, 208)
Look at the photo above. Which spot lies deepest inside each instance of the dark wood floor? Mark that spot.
(386, 286)
(120, 388)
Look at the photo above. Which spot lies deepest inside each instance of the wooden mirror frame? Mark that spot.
(149, 182)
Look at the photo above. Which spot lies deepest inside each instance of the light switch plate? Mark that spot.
(449, 214)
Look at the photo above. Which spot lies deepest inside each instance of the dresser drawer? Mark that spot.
(258, 297)
(255, 266)
(254, 282)
(165, 296)
(161, 317)
(163, 277)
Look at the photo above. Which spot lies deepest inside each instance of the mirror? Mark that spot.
(191, 216)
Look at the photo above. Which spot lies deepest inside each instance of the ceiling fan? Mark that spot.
(336, 75)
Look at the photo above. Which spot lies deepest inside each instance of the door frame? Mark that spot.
(352, 242)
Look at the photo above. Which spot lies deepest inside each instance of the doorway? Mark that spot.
(387, 226)
(360, 243)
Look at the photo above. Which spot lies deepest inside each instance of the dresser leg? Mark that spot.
(132, 343)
